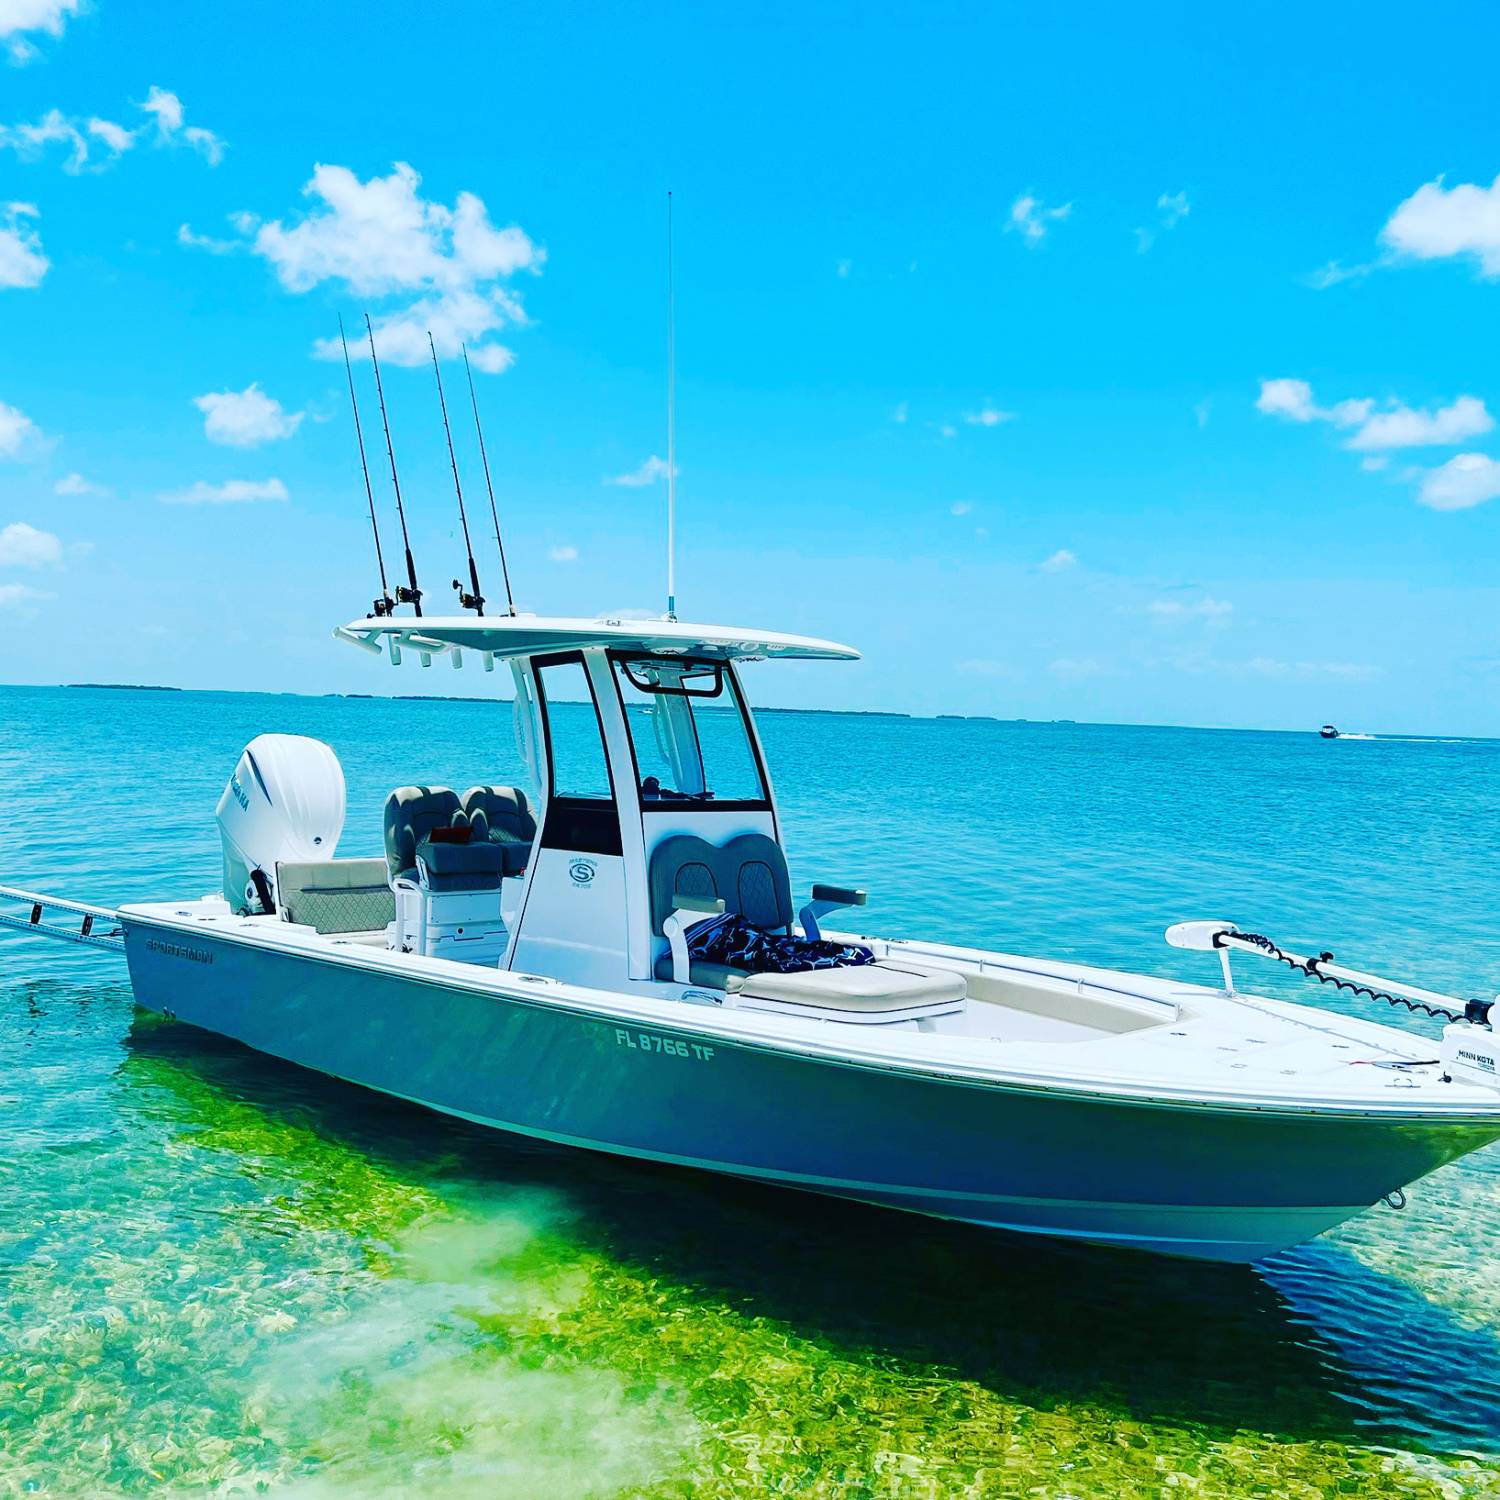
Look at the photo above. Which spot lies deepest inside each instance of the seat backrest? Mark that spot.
(335, 895)
(748, 874)
(762, 888)
(500, 815)
(411, 813)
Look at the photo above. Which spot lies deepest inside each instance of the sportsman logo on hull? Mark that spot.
(582, 871)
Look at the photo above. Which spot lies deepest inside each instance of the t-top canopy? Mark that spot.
(533, 635)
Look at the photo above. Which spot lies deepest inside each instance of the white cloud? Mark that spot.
(902, 411)
(1311, 671)
(563, 554)
(76, 484)
(22, 263)
(1173, 207)
(1378, 428)
(653, 470)
(16, 430)
(961, 507)
(78, 136)
(231, 492)
(13, 595)
(1373, 463)
(1030, 218)
(191, 241)
(166, 109)
(977, 666)
(381, 238)
(948, 430)
(1293, 399)
(988, 416)
(1059, 562)
(23, 546)
(1463, 482)
(244, 419)
(1436, 223)
(1401, 427)
(17, 17)
(81, 137)
(1173, 611)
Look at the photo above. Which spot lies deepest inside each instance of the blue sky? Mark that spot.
(1071, 363)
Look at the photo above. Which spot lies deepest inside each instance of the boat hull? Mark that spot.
(1217, 1183)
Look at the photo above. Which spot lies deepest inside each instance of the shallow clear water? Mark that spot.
(220, 1274)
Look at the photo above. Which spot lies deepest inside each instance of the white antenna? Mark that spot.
(671, 434)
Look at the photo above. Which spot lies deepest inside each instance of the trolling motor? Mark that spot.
(1471, 1041)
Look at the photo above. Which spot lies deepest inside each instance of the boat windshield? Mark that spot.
(689, 733)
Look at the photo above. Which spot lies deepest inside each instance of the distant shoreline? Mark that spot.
(763, 709)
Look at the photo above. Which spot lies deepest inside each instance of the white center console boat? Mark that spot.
(534, 959)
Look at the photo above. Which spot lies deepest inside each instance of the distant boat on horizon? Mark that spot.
(1329, 732)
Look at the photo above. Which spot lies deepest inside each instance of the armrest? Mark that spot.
(687, 911)
(827, 898)
(840, 895)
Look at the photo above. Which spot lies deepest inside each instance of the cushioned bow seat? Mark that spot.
(890, 990)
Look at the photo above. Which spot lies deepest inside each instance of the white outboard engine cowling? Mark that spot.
(285, 800)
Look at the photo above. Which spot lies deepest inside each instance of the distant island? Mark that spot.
(126, 687)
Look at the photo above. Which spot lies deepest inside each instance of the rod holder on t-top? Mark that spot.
(407, 593)
(384, 605)
(474, 600)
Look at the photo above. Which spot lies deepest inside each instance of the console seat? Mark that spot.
(749, 875)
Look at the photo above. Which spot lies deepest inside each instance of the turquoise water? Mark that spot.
(221, 1275)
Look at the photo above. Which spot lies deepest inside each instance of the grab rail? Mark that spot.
(85, 932)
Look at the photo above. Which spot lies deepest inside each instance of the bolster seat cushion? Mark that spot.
(709, 976)
(462, 867)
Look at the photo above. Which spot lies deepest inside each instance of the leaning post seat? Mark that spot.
(446, 884)
(689, 878)
(500, 815)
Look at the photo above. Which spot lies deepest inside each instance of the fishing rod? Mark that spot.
(475, 600)
(384, 604)
(405, 594)
(510, 602)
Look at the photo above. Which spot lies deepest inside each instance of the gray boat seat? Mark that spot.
(749, 875)
(335, 895)
(500, 815)
(411, 813)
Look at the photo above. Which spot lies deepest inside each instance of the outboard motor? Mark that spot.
(285, 800)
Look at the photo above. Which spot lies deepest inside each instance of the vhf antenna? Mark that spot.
(384, 604)
(671, 423)
(510, 602)
(475, 600)
(405, 594)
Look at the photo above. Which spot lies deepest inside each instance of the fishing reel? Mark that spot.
(467, 600)
(382, 607)
(405, 595)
